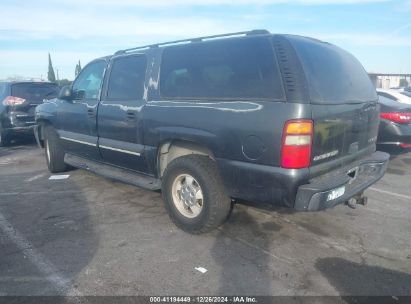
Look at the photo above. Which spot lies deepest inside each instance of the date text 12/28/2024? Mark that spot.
(204, 299)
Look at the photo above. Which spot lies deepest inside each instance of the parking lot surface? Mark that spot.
(88, 235)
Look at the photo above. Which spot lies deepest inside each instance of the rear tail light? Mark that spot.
(296, 145)
(399, 117)
(405, 145)
(13, 101)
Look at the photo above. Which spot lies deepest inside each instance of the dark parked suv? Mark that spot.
(17, 103)
(282, 119)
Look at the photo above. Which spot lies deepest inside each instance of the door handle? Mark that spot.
(130, 115)
(91, 113)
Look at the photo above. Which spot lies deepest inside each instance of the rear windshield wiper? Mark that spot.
(360, 101)
(354, 102)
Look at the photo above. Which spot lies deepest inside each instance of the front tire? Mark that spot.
(54, 151)
(194, 194)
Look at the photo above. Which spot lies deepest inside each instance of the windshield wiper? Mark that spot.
(354, 102)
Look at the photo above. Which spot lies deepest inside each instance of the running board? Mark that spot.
(124, 175)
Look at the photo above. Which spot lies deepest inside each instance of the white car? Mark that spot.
(399, 95)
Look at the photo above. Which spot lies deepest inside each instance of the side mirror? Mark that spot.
(66, 93)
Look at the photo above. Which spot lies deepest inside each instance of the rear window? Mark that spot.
(334, 75)
(386, 95)
(225, 69)
(34, 91)
(392, 104)
(385, 100)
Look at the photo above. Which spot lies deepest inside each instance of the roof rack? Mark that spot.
(191, 40)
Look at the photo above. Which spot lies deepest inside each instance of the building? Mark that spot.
(386, 81)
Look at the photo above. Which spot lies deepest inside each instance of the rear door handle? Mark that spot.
(91, 113)
(130, 115)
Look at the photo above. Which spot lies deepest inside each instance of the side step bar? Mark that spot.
(126, 176)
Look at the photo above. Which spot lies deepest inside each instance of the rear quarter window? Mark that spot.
(225, 69)
(334, 75)
(34, 91)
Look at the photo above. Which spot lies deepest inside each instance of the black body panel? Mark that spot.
(243, 134)
(76, 120)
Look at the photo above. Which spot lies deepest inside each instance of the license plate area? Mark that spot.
(335, 193)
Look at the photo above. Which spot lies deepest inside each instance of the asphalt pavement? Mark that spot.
(88, 235)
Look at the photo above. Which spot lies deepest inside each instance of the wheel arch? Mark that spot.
(39, 131)
(174, 148)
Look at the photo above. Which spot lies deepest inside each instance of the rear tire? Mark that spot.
(194, 194)
(5, 138)
(54, 151)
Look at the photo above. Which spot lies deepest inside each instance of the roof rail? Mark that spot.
(199, 39)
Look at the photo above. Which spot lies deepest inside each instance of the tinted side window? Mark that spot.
(235, 69)
(127, 77)
(88, 83)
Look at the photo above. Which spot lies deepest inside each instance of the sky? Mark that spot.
(377, 32)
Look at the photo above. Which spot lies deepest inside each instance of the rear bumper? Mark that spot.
(16, 121)
(318, 193)
(293, 188)
(20, 130)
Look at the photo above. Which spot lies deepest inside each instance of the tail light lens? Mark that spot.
(13, 101)
(399, 117)
(297, 142)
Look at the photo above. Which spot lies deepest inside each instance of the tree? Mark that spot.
(64, 82)
(78, 69)
(50, 74)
